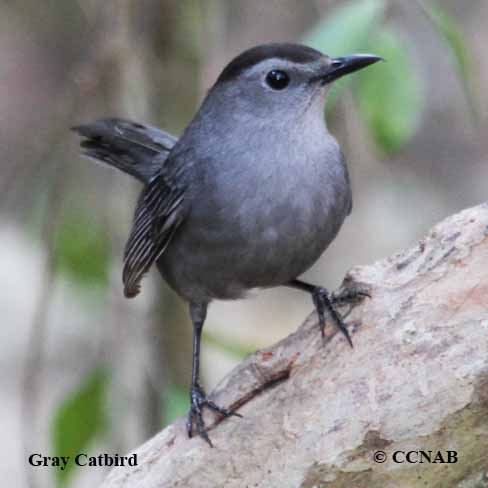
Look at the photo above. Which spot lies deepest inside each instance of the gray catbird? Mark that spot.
(248, 197)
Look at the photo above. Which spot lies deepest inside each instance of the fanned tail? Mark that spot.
(133, 148)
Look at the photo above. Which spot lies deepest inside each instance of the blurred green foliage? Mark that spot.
(175, 403)
(79, 419)
(450, 32)
(448, 29)
(82, 249)
(346, 30)
(390, 96)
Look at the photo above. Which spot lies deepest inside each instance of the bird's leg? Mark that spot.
(324, 301)
(198, 398)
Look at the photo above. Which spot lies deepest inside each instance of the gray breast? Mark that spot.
(257, 223)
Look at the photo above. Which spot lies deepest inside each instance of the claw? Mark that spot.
(198, 401)
(350, 295)
(223, 411)
(319, 302)
(323, 301)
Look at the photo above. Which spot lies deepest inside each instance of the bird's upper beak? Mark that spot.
(347, 64)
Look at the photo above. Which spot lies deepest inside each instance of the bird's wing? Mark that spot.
(159, 212)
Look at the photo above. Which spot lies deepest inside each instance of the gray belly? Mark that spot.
(260, 240)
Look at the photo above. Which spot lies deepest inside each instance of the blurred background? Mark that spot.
(85, 370)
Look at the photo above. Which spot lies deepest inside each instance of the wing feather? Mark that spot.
(158, 214)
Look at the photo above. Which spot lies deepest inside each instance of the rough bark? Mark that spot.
(315, 414)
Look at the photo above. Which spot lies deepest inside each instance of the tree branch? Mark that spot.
(314, 414)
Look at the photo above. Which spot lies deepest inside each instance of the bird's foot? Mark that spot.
(352, 295)
(199, 400)
(324, 301)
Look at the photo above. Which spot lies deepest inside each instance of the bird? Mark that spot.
(250, 195)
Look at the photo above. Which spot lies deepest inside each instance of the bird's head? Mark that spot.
(283, 78)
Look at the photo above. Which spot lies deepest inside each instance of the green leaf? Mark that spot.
(175, 403)
(390, 96)
(346, 30)
(79, 420)
(82, 249)
(450, 32)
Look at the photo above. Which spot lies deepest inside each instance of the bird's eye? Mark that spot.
(277, 80)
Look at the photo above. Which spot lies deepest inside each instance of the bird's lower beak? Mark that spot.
(348, 64)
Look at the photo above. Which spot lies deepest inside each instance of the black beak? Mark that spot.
(348, 64)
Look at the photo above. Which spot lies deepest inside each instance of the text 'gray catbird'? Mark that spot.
(248, 197)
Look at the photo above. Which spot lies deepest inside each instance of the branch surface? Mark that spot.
(315, 414)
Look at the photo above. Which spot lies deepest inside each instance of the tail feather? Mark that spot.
(133, 148)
